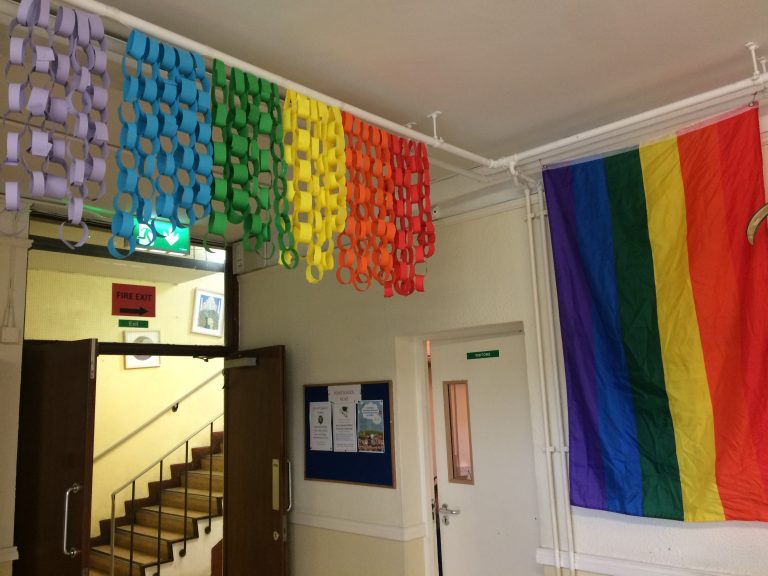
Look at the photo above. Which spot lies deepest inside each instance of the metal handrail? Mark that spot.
(164, 456)
(132, 482)
(156, 417)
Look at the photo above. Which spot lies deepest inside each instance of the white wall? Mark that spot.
(13, 264)
(479, 277)
(333, 334)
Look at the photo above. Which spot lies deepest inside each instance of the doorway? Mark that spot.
(484, 489)
(56, 462)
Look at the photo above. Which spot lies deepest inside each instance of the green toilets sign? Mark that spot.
(483, 354)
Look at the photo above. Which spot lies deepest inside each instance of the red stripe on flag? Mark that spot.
(718, 285)
(742, 174)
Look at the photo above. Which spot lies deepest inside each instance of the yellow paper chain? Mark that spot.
(317, 187)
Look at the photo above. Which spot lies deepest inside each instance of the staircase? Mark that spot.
(144, 537)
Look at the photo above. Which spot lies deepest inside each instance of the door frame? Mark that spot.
(419, 349)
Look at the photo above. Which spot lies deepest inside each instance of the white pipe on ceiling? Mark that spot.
(590, 138)
(166, 35)
(529, 160)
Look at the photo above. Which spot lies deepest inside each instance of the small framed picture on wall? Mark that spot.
(142, 337)
(208, 314)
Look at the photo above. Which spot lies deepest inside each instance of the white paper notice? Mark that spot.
(345, 427)
(345, 393)
(320, 426)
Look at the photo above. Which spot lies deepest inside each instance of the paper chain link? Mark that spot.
(415, 237)
(366, 247)
(74, 90)
(167, 102)
(317, 189)
(250, 176)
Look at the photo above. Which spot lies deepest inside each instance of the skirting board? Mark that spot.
(397, 533)
(8, 554)
(616, 566)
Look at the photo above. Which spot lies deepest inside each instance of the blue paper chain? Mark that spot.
(166, 155)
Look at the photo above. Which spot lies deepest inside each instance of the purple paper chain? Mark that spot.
(73, 98)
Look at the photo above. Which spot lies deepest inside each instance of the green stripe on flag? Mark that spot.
(662, 493)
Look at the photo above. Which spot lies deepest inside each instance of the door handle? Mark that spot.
(450, 511)
(446, 513)
(275, 484)
(290, 487)
(71, 552)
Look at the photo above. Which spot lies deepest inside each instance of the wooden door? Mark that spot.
(55, 457)
(255, 478)
(486, 484)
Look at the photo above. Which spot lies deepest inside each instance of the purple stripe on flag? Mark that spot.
(586, 455)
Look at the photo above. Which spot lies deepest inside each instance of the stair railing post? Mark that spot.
(210, 480)
(183, 552)
(133, 521)
(112, 539)
(159, 517)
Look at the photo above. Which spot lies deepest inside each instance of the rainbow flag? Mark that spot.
(664, 319)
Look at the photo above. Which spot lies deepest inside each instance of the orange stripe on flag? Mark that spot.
(717, 278)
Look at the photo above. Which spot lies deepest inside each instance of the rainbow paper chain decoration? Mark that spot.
(366, 247)
(314, 149)
(57, 87)
(250, 183)
(165, 156)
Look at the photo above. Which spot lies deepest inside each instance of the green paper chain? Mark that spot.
(248, 163)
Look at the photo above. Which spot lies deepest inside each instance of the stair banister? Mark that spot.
(170, 408)
(132, 482)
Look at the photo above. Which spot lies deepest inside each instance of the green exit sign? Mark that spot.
(133, 323)
(167, 239)
(483, 354)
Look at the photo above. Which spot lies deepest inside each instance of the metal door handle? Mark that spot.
(275, 484)
(71, 552)
(290, 486)
(452, 511)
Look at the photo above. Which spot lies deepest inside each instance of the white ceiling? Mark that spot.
(508, 75)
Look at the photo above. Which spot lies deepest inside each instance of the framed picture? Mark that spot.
(208, 315)
(142, 337)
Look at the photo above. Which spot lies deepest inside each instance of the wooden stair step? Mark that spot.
(170, 521)
(101, 560)
(138, 557)
(173, 511)
(145, 540)
(217, 460)
(202, 478)
(152, 531)
(196, 491)
(196, 499)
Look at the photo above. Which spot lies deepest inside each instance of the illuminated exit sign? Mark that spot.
(167, 239)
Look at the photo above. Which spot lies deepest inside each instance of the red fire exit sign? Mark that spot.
(133, 300)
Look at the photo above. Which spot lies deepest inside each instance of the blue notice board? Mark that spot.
(372, 468)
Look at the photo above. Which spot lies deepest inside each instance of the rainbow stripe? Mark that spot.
(664, 320)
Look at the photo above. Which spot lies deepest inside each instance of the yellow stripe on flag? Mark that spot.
(684, 371)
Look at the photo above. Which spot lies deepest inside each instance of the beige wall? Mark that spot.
(13, 263)
(127, 398)
(333, 334)
(479, 278)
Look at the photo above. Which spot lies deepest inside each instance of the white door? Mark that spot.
(488, 521)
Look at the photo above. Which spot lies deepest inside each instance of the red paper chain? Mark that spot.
(415, 238)
(389, 227)
(366, 246)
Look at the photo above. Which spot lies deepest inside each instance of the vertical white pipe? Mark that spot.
(752, 47)
(542, 386)
(562, 441)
